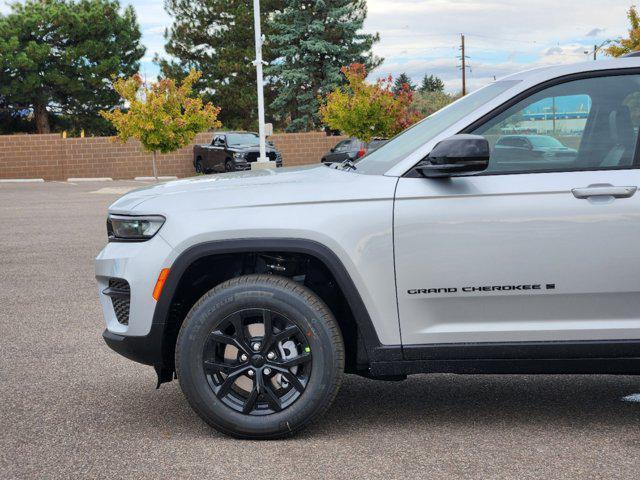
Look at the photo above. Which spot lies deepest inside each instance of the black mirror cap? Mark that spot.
(457, 155)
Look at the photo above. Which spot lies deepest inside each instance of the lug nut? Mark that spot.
(243, 357)
(250, 373)
(267, 371)
(256, 346)
(271, 355)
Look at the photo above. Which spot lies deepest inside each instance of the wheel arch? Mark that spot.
(368, 344)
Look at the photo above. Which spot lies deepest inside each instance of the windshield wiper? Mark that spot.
(348, 164)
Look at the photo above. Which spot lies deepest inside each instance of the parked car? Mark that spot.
(231, 151)
(351, 149)
(528, 148)
(425, 256)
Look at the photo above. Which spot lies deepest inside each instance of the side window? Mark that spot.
(578, 125)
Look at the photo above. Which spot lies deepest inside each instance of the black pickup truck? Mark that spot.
(231, 151)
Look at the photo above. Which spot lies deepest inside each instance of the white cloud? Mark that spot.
(596, 32)
(502, 36)
(423, 36)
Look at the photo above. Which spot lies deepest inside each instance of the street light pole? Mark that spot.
(258, 64)
(597, 48)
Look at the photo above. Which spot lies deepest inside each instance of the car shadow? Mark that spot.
(445, 400)
(432, 402)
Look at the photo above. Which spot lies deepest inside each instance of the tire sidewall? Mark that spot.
(209, 313)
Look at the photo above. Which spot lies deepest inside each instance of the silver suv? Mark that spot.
(258, 290)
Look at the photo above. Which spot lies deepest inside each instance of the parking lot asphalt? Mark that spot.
(71, 408)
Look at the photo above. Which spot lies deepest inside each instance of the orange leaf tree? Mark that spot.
(163, 116)
(631, 44)
(364, 110)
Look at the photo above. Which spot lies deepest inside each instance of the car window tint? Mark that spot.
(343, 146)
(578, 125)
(243, 139)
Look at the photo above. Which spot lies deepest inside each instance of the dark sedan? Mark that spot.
(351, 149)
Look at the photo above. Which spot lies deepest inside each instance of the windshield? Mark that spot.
(407, 142)
(242, 139)
(545, 141)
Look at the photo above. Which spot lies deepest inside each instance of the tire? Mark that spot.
(198, 165)
(303, 332)
(229, 166)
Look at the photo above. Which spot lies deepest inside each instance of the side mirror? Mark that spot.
(333, 149)
(456, 155)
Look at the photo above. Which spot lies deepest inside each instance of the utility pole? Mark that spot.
(595, 52)
(258, 64)
(464, 67)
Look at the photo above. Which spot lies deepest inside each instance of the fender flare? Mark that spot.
(294, 245)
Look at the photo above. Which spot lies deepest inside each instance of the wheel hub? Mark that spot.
(258, 361)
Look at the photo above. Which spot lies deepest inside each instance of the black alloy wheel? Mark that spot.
(257, 374)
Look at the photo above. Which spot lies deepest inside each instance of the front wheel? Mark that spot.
(229, 166)
(260, 357)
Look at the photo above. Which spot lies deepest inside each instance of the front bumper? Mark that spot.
(244, 165)
(146, 349)
(139, 264)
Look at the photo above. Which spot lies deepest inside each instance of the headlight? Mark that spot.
(239, 155)
(125, 228)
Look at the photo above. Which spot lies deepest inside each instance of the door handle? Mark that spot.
(604, 191)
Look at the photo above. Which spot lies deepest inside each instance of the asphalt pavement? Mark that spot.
(72, 408)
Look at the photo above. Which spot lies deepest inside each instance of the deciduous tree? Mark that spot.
(632, 43)
(402, 82)
(364, 110)
(426, 103)
(163, 116)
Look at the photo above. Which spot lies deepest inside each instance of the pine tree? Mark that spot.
(403, 79)
(313, 40)
(216, 37)
(57, 57)
(431, 83)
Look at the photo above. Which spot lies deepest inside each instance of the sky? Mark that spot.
(423, 36)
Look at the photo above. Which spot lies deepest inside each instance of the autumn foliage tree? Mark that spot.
(631, 44)
(164, 116)
(367, 110)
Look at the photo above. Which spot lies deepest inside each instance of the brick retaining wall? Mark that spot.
(55, 158)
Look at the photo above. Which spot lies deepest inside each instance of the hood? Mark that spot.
(250, 148)
(281, 186)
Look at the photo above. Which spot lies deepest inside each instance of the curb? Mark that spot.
(21, 180)
(147, 179)
(90, 179)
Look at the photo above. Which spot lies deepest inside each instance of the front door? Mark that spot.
(542, 246)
